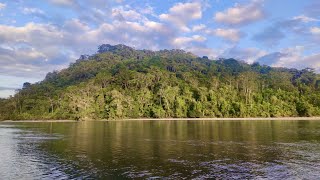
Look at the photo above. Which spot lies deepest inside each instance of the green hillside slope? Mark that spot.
(121, 82)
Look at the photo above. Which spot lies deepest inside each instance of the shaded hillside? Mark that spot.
(121, 82)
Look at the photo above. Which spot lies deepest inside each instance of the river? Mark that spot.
(160, 149)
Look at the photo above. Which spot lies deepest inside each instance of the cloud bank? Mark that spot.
(49, 35)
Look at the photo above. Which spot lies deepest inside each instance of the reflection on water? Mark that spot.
(161, 149)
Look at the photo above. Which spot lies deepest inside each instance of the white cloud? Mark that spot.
(31, 50)
(2, 6)
(182, 13)
(305, 19)
(241, 14)
(27, 50)
(183, 42)
(32, 11)
(292, 58)
(25, 62)
(94, 15)
(37, 34)
(204, 51)
(279, 30)
(6, 93)
(233, 35)
(270, 36)
(198, 27)
(126, 15)
(142, 34)
(311, 61)
(146, 10)
(63, 2)
(246, 54)
(315, 30)
(10, 83)
(75, 25)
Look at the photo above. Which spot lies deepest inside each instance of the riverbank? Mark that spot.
(12, 121)
(186, 119)
(226, 119)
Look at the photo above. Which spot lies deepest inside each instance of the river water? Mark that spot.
(160, 149)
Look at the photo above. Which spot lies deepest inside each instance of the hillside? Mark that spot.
(121, 82)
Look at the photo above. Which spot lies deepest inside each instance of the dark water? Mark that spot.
(161, 149)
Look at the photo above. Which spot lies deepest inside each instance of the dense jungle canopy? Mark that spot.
(121, 82)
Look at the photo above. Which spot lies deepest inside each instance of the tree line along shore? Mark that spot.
(119, 82)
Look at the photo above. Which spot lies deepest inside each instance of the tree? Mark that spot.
(26, 85)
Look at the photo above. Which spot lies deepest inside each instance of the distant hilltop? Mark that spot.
(124, 50)
(109, 48)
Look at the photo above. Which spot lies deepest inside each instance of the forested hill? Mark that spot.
(121, 82)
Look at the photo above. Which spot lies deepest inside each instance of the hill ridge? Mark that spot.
(121, 82)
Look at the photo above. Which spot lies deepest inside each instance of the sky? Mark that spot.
(39, 36)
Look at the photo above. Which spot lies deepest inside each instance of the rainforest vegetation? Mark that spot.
(121, 82)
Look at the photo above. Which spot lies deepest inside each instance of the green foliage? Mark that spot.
(120, 82)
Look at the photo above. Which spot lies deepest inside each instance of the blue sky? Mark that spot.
(37, 37)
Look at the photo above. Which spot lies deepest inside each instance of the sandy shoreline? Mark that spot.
(185, 119)
(225, 119)
(12, 121)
